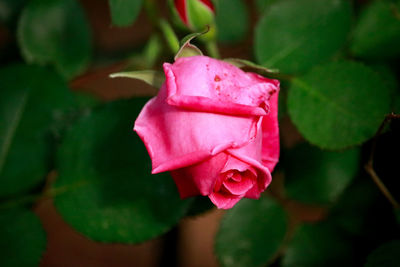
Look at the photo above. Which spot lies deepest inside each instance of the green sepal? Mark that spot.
(151, 77)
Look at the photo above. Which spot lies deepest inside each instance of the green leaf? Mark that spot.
(386, 255)
(389, 78)
(111, 194)
(377, 33)
(339, 104)
(353, 211)
(318, 245)
(251, 233)
(23, 240)
(55, 32)
(31, 98)
(151, 77)
(318, 177)
(294, 35)
(232, 21)
(124, 12)
(262, 5)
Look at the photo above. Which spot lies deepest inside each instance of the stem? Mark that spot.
(381, 186)
(163, 25)
(170, 36)
(369, 167)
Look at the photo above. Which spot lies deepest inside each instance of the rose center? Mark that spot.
(236, 182)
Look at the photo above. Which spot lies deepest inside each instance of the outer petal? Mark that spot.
(224, 201)
(177, 138)
(270, 129)
(205, 84)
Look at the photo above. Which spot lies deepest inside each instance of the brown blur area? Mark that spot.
(193, 238)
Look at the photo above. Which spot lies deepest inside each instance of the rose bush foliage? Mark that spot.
(215, 128)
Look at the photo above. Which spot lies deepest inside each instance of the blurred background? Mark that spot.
(75, 183)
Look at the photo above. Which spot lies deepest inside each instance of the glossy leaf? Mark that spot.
(23, 240)
(377, 33)
(294, 35)
(319, 177)
(55, 32)
(31, 98)
(386, 255)
(111, 195)
(124, 12)
(354, 211)
(251, 233)
(262, 5)
(318, 245)
(339, 104)
(389, 78)
(232, 20)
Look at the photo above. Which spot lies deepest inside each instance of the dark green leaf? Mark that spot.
(377, 33)
(251, 233)
(262, 5)
(318, 245)
(111, 194)
(339, 104)
(319, 177)
(294, 35)
(124, 12)
(55, 32)
(389, 79)
(386, 255)
(31, 98)
(232, 20)
(23, 240)
(353, 210)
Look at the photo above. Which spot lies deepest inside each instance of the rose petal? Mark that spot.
(205, 84)
(223, 201)
(202, 176)
(240, 187)
(180, 6)
(250, 155)
(186, 186)
(176, 138)
(270, 130)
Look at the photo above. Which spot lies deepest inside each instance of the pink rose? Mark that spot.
(215, 128)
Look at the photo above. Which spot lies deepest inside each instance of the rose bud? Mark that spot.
(215, 128)
(194, 15)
